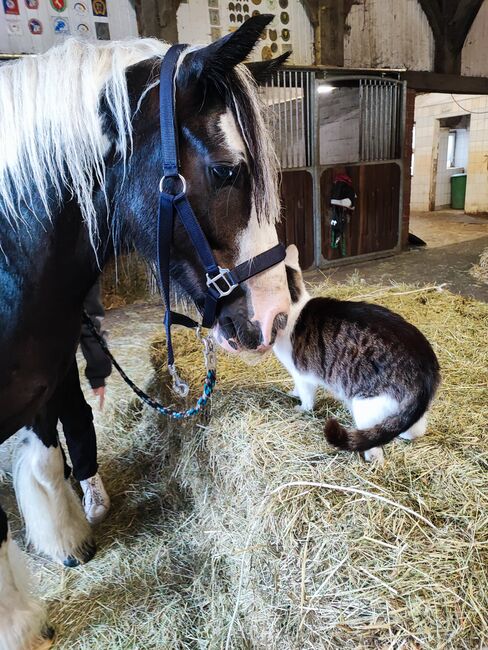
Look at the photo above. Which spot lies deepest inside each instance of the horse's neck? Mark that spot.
(47, 263)
(46, 269)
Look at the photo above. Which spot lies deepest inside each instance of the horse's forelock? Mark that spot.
(240, 93)
(248, 110)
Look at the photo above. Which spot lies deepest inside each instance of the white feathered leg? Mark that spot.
(22, 617)
(54, 519)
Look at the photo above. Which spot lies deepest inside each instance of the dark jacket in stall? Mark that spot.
(98, 365)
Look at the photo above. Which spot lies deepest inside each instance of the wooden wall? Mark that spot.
(388, 34)
(373, 225)
(296, 226)
(473, 58)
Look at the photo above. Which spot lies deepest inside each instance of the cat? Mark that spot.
(371, 359)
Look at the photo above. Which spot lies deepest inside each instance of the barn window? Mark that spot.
(451, 150)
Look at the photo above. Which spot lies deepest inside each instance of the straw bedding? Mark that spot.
(480, 270)
(248, 531)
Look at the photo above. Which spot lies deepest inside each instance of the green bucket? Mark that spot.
(458, 191)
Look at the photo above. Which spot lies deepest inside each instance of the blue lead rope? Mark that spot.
(208, 386)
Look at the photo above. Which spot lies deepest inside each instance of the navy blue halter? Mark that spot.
(220, 281)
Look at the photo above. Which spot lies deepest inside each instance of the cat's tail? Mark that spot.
(380, 434)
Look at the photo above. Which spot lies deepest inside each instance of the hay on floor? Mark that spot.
(480, 270)
(249, 532)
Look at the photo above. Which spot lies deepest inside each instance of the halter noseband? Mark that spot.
(221, 282)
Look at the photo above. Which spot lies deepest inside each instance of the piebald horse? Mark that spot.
(80, 167)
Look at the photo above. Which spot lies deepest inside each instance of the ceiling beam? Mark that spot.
(433, 82)
(464, 16)
(450, 21)
(312, 10)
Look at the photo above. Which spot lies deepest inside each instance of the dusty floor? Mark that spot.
(454, 243)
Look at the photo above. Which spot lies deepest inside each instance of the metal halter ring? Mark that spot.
(182, 180)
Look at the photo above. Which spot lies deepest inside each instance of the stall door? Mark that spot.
(296, 226)
(373, 225)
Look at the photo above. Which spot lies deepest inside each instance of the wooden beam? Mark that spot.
(332, 22)
(433, 11)
(433, 82)
(450, 21)
(157, 18)
(312, 10)
(463, 18)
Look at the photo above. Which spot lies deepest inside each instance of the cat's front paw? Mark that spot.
(300, 408)
(293, 392)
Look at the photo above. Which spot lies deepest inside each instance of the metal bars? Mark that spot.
(380, 119)
(290, 96)
(287, 96)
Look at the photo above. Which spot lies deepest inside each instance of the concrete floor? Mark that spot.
(454, 244)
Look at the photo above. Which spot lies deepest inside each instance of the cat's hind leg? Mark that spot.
(367, 413)
(374, 455)
(416, 430)
(306, 392)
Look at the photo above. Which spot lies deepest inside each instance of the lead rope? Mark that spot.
(208, 385)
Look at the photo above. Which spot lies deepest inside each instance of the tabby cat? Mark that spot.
(379, 365)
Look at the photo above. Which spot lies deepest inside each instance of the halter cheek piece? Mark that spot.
(221, 282)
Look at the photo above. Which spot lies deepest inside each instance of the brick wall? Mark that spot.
(429, 110)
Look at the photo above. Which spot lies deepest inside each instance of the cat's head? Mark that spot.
(294, 275)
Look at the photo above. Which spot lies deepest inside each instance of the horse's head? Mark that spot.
(231, 177)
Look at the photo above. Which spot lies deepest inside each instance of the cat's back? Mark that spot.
(335, 327)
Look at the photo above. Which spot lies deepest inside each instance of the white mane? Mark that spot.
(51, 131)
(50, 127)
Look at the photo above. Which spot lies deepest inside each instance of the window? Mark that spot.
(412, 161)
(451, 149)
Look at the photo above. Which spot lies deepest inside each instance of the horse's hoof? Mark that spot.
(87, 552)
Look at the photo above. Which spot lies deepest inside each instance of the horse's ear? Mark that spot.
(263, 70)
(220, 57)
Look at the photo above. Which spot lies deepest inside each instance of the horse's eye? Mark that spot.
(224, 174)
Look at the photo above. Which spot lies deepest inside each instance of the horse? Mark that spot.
(79, 177)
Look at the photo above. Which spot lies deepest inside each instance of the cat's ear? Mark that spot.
(291, 258)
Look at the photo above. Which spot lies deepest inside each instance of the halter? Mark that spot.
(221, 282)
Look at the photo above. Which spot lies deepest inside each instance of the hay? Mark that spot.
(480, 270)
(125, 280)
(250, 532)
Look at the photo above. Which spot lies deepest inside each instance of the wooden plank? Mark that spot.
(297, 223)
(445, 83)
(332, 22)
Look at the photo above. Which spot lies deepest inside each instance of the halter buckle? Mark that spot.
(223, 282)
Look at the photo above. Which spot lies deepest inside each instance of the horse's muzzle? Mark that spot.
(237, 331)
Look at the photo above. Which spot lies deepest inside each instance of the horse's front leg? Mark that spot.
(22, 617)
(54, 518)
